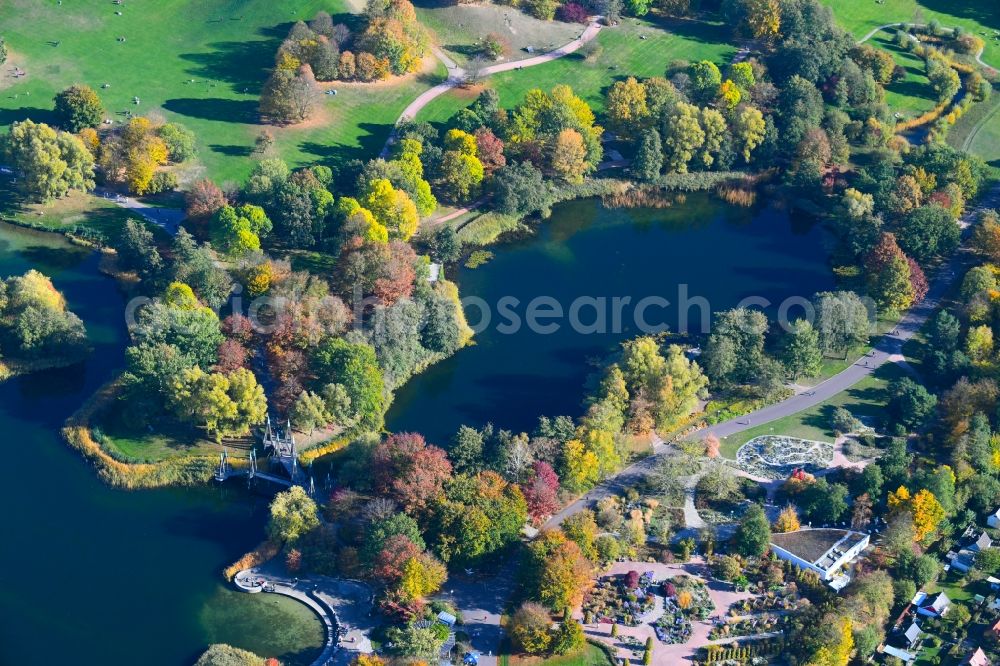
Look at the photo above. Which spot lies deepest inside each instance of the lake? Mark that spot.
(91, 574)
(716, 252)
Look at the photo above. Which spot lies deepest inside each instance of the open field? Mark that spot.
(865, 400)
(912, 95)
(590, 655)
(458, 29)
(976, 16)
(615, 54)
(197, 63)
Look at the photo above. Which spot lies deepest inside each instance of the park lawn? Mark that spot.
(976, 16)
(978, 130)
(78, 213)
(198, 63)
(590, 655)
(136, 445)
(865, 400)
(912, 95)
(616, 53)
(459, 29)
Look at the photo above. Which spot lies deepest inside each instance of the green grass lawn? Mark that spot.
(912, 95)
(138, 445)
(976, 16)
(198, 63)
(591, 655)
(865, 400)
(614, 54)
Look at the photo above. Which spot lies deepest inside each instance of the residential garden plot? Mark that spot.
(197, 63)
(458, 29)
(637, 47)
(776, 456)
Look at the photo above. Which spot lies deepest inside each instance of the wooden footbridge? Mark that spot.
(281, 461)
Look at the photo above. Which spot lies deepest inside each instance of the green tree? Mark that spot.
(355, 367)
(569, 637)
(930, 231)
(705, 80)
(753, 535)
(137, 250)
(910, 404)
(682, 136)
(749, 130)
(77, 107)
(648, 157)
(180, 142)
(800, 350)
(308, 412)
(843, 321)
(292, 514)
(48, 163)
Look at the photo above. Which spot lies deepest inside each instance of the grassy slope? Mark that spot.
(615, 54)
(912, 95)
(864, 399)
(226, 46)
(459, 28)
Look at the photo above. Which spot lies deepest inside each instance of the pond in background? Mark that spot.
(722, 253)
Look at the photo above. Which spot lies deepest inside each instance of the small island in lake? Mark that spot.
(36, 330)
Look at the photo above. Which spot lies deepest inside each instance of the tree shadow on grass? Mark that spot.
(231, 151)
(369, 144)
(984, 12)
(215, 108)
(9, 116)
(242, 65)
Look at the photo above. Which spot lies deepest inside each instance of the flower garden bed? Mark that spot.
(776, 456)
(620, 599)
(686, 598)
(749, 626)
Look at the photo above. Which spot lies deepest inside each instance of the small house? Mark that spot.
(912, 634)
(938, 607)
(978, 658)
(994, 520)
(828, 552)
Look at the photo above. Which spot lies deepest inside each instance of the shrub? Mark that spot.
(572, 12)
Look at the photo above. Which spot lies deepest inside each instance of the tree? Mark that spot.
(930, 231)
(203, 199)
(180, 142)
(735, 349)
(569, 156)
(391, 208)
(289, 96)
(843, 321)
(48, 163)
(753, 535)
(529, 627)
(220, 654)
(648, 160)
(582, 529)
(569, 637)
(460, 175)
(519, 188)
(705, 80)
(420, 643)
(910, 404)
(3, 51)
(354, 366)
(77, 107)
(293, 513)
(237, 231)
(137, 250)
(626, 107)
(308, 412)
(422, 576)
(927, 514)
(986, 237)
(682, 136)
(411, 470)
(560, 575)
(787, 520)
(801, 353)
(749, 130)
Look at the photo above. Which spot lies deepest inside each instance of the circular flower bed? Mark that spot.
(776, 456)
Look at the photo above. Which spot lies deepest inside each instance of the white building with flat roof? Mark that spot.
(825, 551)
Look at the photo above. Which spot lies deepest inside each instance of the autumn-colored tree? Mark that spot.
(568, 159)
(391, 560)
(561, 574)
(986, 238)
(411, 470)
(787, 520)
(529, 627)
(422, 576)
(712, 445)
(626, 107)
(927, 514)
(542, 492)
(203, 199)
(489, 150)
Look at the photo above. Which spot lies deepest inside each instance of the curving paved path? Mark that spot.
(458, 76)
(889, 349)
